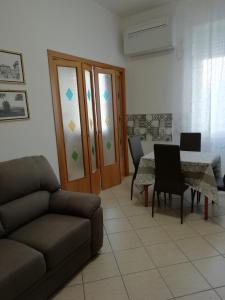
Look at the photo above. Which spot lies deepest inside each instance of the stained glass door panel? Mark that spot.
(108, 127)
(71, 122)
(107, 120)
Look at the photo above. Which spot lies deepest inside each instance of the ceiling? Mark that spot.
(128, 7)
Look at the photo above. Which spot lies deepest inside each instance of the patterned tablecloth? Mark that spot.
(200, 171)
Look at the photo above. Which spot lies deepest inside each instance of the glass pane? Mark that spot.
(71, 122)
(90, 118)
(107, 121)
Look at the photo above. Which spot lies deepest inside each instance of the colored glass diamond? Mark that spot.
(75, 155)
(108, 145)
(89, 95)
(72, 125)
(93, 149)
(69, 94)
(106, 95)
(108, 121)
(91, 124)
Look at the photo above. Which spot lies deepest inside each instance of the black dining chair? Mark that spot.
(191, 141)
(168, 174)
(136, 152)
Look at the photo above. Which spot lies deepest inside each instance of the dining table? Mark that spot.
(200, 170)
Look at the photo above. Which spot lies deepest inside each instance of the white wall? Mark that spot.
(78, 27)
(153, 81)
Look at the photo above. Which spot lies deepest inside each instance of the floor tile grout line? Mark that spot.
(172, 294)
(192, 263)
(202, 258)
(196, 293)
(118, 268)
(101, 279)
(158, 224)
(183, 254)
(212, 244)
(172, 241)
(83, 284)
(215, 290)
(144, 246)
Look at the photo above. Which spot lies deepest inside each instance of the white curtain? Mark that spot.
(201, 48)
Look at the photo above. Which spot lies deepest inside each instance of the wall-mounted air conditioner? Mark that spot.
(153, 36)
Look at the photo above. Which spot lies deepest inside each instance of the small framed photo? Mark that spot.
(11, 67)
(13, 105)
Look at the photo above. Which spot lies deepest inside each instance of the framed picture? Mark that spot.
(11, 67)
(13, 105)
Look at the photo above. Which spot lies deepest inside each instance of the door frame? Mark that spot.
(55, 55)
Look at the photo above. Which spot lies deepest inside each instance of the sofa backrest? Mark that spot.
(25, 187)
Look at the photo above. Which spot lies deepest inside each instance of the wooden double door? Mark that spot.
(88, 111)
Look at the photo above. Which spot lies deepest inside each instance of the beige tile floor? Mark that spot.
(153, 259)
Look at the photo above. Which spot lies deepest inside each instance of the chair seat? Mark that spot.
(20, 267)
(55, 235)
(172, 188)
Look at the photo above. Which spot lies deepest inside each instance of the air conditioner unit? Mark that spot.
(153, 36)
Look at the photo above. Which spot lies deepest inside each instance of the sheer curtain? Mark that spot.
(201, 45)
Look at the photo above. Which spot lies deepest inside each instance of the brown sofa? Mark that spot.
(46, 234)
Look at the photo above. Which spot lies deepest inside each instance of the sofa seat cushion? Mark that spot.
(56, 236)
(20, 267)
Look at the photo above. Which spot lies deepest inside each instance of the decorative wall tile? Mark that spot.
(154, 127)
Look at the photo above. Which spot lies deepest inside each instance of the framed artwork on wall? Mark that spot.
(13, 105)
(11, 67)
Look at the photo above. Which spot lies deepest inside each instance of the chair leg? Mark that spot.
(132, 187)
(158, 194)
(170, 199)
(181, 208)
(153, 202)
(165, 199)
(198, 197)
(192, 204)
(193, 192)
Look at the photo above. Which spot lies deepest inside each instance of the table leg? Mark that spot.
(206, 207)
(146, 195)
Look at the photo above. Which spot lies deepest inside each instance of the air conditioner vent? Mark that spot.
(153, 36)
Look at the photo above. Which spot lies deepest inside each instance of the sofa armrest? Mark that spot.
(81, 205)
(73, 203)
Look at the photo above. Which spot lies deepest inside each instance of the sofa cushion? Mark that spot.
(20, 267)
(20, 177)
(56, 236)
(17, 213)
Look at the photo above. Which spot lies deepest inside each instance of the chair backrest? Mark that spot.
(168, 175)
(136, 150)
(190, 141)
